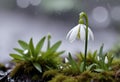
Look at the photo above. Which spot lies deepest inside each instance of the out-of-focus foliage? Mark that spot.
(59, 5)
(116, 49)
(8, 4)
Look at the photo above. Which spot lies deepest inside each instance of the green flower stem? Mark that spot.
(84, 16)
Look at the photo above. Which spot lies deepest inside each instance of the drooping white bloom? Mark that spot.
(66, 60)
(98, 58)
(106, 60)
(79, 32)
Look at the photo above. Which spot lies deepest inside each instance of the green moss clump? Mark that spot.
(25, 69)
(63, 78)
(2, 67)
(84, 77)
(50, 73)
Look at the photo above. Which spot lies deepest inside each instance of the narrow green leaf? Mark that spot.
(23, 44)
(59, 53)
(48, 41)
(81, 67)
(38, 67)
(94, 54)
(73, 63)
(101, 51)
(91, 66)
(99, 70)
(54, 48)
(81, 56)
(16, 56)
(31, 47)
(110, 59)
(19, 51)
(39, 45)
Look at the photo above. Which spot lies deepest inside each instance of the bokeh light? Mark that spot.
(100, 14)
(100, 17)
(26, 3)
(23, 3)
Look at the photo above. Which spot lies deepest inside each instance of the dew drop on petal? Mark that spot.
(25, 51)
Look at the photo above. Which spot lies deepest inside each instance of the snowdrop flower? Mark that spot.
(98, 58)
(79, 33)
(66, 60)
(106, 60)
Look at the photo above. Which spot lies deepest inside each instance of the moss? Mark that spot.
(24, 69)
(2, 67)
(50, 73)
(84, 77)
(107, 76)
(35, 77)
(70, 79)
(63, 78)
(16, 69)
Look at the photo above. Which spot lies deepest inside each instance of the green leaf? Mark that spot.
(38, 67)
(94, 54)
(110, 59)
(59, 53)
(16, 56)
(72, 62)
(81, 55)
(31, 47)
(48, 43)
(82, 67)
(101, 51)
(23, 44)
(54, 48)
(19, 51)
(91, 66)
(39, 45)
(99, 70)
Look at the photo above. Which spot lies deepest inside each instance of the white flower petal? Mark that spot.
(90, 34)
(66, 60)
(106, 60)
(79, 32)
(74, 33)
(82, 32)
(98, 58)
(69, 33)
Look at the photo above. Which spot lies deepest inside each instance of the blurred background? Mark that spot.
(23, 19)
